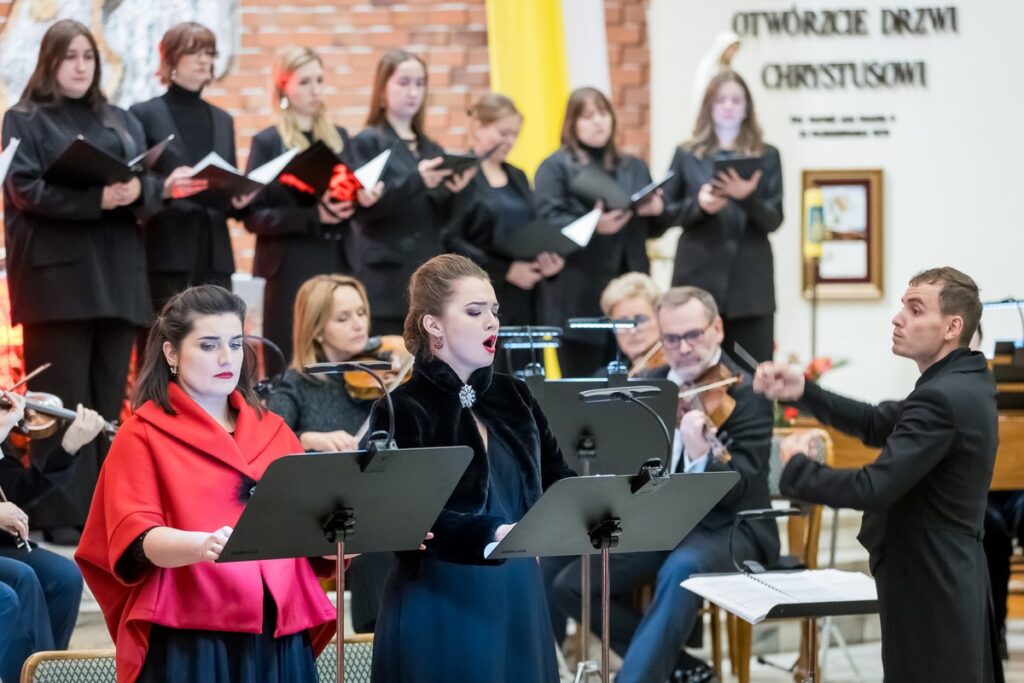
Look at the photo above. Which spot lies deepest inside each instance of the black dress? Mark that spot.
(187, 243)
(448, 614)
(392, 238)
(576, 291)
(292, 245)
(728, 253)
(77, 276)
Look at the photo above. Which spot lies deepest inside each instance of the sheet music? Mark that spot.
(266, 173)
(7, 157)
(369, 173)
(582, 229)
(214, 159)
(752, 596)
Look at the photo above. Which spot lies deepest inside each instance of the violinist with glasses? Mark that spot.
(47, 586)
(718, 430)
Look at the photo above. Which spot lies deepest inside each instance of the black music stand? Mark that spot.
(323, 503)
(601, 438)
(587, 515)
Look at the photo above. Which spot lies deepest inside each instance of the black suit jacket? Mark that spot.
(727, 253)
(924, 507)
(576, 291)
(470, 232)
(23, 486)
(748, 431)
(392, 238)
(291, 242)
(174, 235)
(67, 259)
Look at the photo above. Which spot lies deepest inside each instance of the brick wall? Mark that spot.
(452, 38)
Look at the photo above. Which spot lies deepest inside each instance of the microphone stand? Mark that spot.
(341, 524)
(605, 535)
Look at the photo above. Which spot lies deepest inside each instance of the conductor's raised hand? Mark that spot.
(805, 441)
(779, 381)
(212, 545)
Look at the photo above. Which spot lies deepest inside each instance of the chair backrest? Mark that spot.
(70, 666)
(97, 666)
(802, 532)
(358, 658)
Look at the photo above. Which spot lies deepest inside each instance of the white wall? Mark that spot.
(953, 166)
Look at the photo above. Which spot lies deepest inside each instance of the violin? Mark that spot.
(709, 393)
(654, 357)
(390, 348)
(44, 414)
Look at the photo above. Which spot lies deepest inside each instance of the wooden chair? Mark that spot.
(802, 537)
(97, 666)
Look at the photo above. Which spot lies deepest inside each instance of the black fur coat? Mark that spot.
(428, 412)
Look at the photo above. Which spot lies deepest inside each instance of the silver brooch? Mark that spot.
(467, 397)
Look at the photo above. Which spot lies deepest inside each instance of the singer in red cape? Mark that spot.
(171, 488)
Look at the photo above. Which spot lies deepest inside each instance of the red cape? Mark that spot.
(185, 471)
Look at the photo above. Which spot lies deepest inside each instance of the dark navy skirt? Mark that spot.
(224, 656)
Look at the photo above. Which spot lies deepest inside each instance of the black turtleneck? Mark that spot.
(91, 127)
(596, 154)
(193, 119)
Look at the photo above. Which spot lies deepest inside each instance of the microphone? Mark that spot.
(626, 393)
(371, 367)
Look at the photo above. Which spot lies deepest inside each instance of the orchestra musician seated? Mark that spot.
(633, 295)
(728, 429)
(40, 591)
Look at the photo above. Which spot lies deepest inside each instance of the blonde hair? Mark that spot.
(626, 287)
(288, 62)
(429, 290)
(314, 305)
(493, 107)
(749, 142)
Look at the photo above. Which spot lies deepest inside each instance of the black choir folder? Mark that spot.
(592, 184)
(808, 593)
(82, 164)
(745, 167)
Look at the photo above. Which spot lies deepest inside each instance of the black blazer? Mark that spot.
(428, 413)
(924, 508)
(748, 431)
(23, 486)
(67, 259)
(174, 234)
(728, 253)
(576, 291)
(291, 242)
(470, 232)
(392, 238)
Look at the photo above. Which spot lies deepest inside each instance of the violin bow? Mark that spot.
(701, 388)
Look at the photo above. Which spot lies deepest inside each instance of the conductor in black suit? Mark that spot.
(652, 644)
(924, 497)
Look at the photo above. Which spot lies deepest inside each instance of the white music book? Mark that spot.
(581, 230)
(369, 173)
(753, 597)
(7, 157)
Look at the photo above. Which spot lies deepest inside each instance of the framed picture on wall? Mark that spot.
(841, 228)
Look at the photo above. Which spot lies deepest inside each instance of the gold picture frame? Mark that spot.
(842, 234)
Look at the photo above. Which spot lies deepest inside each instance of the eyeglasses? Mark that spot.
(692, 338)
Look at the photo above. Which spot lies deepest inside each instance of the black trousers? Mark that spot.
(755, 335)
(89, 366)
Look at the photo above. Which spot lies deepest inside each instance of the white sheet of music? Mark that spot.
(752, 596)
(7, 157)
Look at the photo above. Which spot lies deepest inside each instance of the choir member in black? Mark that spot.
(448, 614)
(924, 497)
(48, 586)
(187, 243)
(75, 257)
(726, 219)
(402, 230)
(619, 244)
(652, 643)
(497, 203)
(297, 235)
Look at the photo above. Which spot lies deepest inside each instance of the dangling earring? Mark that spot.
(174, 369)
(439, 343)
(283, 102)
(174, 74)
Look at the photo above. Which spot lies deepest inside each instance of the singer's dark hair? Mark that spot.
(174, 323)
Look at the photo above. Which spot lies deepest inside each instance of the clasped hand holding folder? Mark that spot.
(82, 164)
